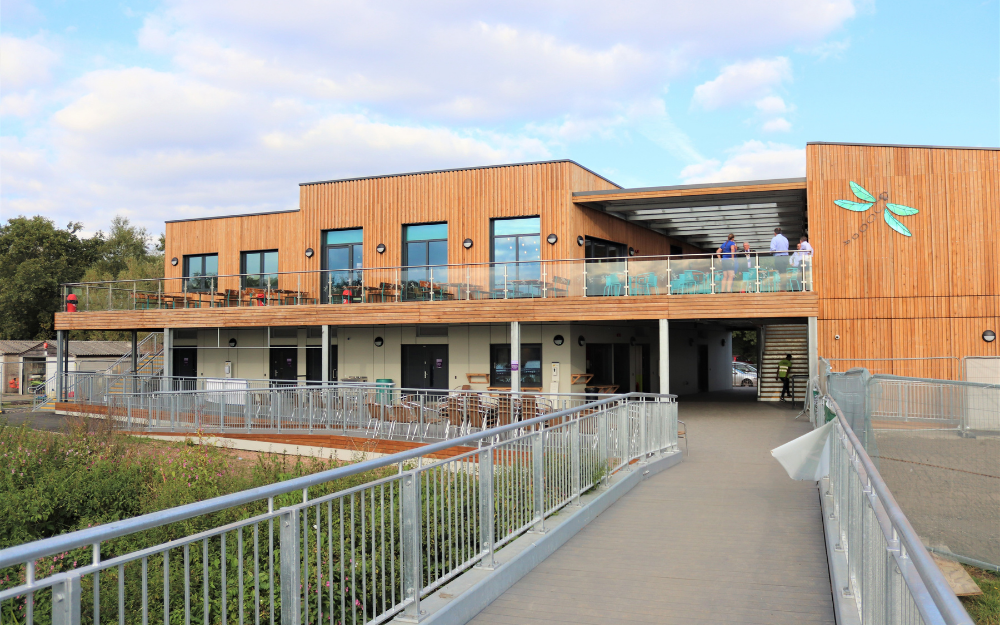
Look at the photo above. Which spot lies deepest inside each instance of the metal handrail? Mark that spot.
(943, 598)
(551, 458)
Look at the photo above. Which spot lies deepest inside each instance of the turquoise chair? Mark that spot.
(794, 284)
(750, 281)
(612, 284)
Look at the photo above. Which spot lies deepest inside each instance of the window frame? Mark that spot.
(245, 271)
(211, 279)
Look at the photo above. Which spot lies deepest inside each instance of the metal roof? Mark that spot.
(81, 349)
(15, 347)
(706, 220)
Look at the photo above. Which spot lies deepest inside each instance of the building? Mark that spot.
(28, 364)
(428, 279)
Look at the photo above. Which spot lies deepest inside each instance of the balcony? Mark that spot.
(696, 286)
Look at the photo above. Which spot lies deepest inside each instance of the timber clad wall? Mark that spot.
(466, 199)
(892, 296)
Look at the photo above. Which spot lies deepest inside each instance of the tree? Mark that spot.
(745, 345)
(35, 257)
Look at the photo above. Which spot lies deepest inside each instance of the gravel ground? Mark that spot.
(948, 486)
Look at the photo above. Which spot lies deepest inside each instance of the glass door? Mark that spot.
(342, 278)
(517, 248)
(425, 257)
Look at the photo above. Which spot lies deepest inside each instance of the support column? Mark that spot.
(813, 347)
(664, 356)
(168, 353)
(326, 354)
(515, 356)
(60, 337)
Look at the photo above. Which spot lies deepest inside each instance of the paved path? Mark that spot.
(724, 537)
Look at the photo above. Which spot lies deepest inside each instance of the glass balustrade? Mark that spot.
(647, 276)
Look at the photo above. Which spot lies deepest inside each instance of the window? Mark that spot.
(259, 269)
(605, 267)
(516, 252)
(342, 259)
(530, 365)
(599, 248)
(424, 246)
(201, 272)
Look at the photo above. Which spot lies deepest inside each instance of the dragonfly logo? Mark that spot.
(889, 213)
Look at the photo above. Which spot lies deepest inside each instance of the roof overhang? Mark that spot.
(703, 215)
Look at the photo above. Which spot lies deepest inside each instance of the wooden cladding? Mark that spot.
(466, 199)
(953, 248)
(927, 297)
(719, 306)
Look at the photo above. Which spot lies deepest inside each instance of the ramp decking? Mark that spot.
(725, 537)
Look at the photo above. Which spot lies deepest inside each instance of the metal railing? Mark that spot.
(891, 575)
(637, 276)
(295, 552)
(363, 409)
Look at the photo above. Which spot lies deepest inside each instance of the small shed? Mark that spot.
(35, 362)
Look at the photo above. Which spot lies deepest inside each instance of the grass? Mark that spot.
(985, 608)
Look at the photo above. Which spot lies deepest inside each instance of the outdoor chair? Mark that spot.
(612, 284)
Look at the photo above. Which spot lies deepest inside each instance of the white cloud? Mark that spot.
(753, 160)
(771, 104)
(742, 82)
(778, 124)
(25, 63)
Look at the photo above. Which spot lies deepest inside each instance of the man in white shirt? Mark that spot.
(779, 252)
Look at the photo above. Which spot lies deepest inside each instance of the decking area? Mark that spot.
(724, 537)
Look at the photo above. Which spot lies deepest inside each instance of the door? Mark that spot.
(702, 368)
(285, 365)
(314, 365)
(425, 366)
(333, 363)
(186, 368)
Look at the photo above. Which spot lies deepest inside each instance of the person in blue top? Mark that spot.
(779, 250)
(728, 253)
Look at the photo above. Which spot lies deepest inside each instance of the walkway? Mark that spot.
(724, 537)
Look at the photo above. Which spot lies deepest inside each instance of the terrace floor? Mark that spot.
(723, 537)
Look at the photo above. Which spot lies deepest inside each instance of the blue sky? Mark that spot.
(186, 108)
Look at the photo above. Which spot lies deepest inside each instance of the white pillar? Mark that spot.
(168, 352)
(664, 356)
(515, 356)
(326, 354)
(813, 348)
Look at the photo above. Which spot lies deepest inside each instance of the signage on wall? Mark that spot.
(889, 213)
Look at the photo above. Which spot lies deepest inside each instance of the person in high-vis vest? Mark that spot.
(784, 368)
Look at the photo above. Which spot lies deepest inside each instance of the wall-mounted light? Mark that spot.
(581, 341)
(836, 337)
(631, 251)
(173, 261)
(989, 336)
(378, 341)
(232, 342)
(723, 343)
(558, 339)
(309, 252)
(579, 241)
(467, 243)
(380, 248)
(552, 238)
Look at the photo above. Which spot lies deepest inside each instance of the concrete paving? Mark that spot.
(725, 537)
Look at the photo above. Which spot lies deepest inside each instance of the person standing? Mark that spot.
(729, 262)
(779, 252)
(805, 256)
(784, 371)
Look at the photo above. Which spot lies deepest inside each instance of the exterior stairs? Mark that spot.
(780, 340)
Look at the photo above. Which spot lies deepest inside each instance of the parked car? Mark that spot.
(744, 374)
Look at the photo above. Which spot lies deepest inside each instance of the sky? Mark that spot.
(175, 109)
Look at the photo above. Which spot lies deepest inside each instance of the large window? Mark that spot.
(201, 272)
(259, 269)
(530, 365)
(516, 252)
(343, 253)
(424, 246)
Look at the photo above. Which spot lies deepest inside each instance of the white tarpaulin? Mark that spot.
(808, 456)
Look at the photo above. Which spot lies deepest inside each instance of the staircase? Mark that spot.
(149, 363)
(779, 341)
